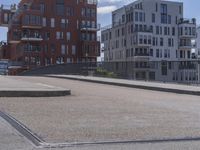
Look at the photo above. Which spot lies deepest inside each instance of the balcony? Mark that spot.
(15, 39)
(142, 56)
(144, 30)
(187, 21)
(32, 48)
(187, 66)
(185, 47)
(32, 38)
(31, 26)
(142, 65)
(92, 2)
(90, 48)
(90, 28)
(186, 44)
(187, 28)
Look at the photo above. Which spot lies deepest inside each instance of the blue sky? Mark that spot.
(191, 10)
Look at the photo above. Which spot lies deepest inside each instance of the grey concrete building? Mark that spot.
(151, 40)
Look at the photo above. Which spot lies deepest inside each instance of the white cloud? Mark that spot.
(106, 9)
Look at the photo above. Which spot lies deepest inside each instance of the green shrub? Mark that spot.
(105, 73)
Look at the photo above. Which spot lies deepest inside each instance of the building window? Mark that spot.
(5, 17)
(64, 23)
(73, 49)
(57, 35)
(157, 29)
(157, 53)
(165, 31)
(136, 16)
(60, 7)
(52, 22)
(44, 22)
(153, 18)
(53, 48)
(151, 52)
(156, 7)
(164, 68)
(68, 36)
(42, 8)
(180, 10)
(163, 9)
(161, 42)
(173, 31)
(70, 11)
(165, 53)
(164, 13)
(63, 49)
(169, 19)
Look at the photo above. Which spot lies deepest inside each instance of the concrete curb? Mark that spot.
(152, 88)
(34, 93)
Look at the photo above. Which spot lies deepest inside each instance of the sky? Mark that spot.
(105, 7)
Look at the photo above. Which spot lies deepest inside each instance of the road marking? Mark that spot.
(45, 85)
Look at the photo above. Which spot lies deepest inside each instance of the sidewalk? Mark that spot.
(164, 87)
(10, 87)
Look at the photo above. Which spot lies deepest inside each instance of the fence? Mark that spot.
(187, 72)
(164, 71)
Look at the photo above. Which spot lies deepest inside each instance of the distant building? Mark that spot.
(4, 64)
(153, 38)
(198, 43)
(48, 32)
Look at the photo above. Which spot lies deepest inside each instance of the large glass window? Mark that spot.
(60, 7)
(164, 13)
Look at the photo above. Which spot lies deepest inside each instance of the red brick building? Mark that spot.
(46, 32)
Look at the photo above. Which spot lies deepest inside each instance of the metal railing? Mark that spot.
(187, 21)
(164, 71)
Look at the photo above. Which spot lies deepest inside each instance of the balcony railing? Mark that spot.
(90, 27)
(92, 2)
(32, 48)
(8, 7)
(142, 54)
(187, 21)
(148, 30)
(31, 25)
(32, 38)
(189, 66)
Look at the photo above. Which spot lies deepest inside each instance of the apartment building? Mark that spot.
(42, 33)
(151, 40)
(198, 43)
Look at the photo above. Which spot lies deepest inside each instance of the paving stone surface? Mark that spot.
(12, 87)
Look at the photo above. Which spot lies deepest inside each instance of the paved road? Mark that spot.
(156, 86)
(96, 112)
(10, 139)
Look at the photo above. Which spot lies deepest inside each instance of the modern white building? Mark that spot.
(151, 40)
